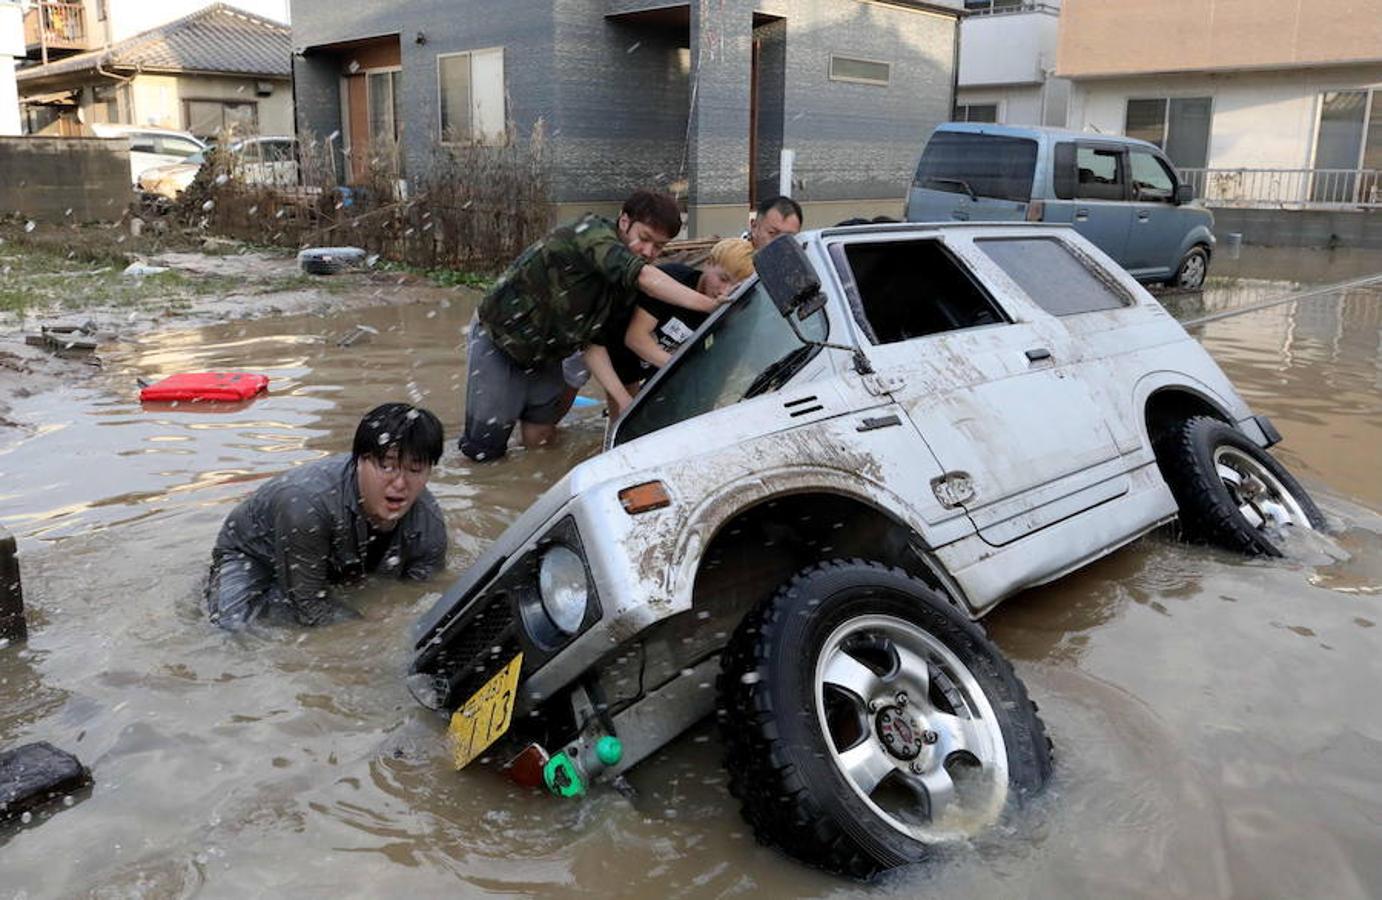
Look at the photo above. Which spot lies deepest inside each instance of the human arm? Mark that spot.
(659, 285)
(602, 370)
(640, 339)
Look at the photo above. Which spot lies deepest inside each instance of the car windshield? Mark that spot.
(748, 349)
(196, 159)
(984, 165)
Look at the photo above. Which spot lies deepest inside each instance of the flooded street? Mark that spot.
(1217, 721)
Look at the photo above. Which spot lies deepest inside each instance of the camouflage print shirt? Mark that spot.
(560, 292)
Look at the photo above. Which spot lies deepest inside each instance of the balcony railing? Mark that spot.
(1008, 7)
(1287, 188)
(55, 26)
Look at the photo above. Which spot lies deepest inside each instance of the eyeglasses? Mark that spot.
(390, 467)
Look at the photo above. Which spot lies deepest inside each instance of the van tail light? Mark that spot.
(644, 497)
(1036, 211)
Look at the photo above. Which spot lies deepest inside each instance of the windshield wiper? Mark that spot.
(960, 181)
(775, 375)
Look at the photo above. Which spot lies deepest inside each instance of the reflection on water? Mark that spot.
(1216, 720)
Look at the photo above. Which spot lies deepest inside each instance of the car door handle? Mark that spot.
(1081, 215)
(1037, 354)
(1144, 216)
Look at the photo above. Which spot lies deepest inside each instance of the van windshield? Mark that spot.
(746, 350)
(987, 165)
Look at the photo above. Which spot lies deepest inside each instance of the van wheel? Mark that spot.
(865, 719)
(1231, 492)
(1191, 272)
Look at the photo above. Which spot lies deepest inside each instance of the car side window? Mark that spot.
(1099, 174)
(143, 143)
(901, 290)
(277, 151)
(1150, 179)
(1057, 280)
(176, 146)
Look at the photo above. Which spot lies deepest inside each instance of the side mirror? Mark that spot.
(789, 277)
(1184, 194)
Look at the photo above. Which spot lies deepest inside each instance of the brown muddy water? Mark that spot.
(1218, 722)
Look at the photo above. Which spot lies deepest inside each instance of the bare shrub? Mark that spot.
(474, 207)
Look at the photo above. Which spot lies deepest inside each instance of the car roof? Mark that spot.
(118, 128)
(904, 227)
(1033, 131)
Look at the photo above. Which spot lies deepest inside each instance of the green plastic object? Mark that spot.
(609, 750)
(562, 777)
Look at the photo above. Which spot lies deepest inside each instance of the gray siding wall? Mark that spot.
(616, 96)
(623, 91)
(858, 141)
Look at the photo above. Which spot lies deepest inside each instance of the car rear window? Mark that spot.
(990, 165)
(1055, 278)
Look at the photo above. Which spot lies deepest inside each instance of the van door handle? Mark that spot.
(1143, 216)
(1081, 215)
(1037, 354)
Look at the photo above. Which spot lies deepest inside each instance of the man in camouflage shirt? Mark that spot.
(558, 295)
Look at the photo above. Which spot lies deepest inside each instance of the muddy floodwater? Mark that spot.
(1217, 721)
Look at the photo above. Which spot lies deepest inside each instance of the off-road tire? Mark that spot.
(1192, 271)
(791, 790)
(1208, 512)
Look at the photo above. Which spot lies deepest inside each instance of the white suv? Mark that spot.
(152, 147)
(889, 431)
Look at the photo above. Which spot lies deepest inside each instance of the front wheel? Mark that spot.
(866, 719)
(1193, 269)
(1231, 492)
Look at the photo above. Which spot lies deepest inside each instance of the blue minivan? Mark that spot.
(1122, 194)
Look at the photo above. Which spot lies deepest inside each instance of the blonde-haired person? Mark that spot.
(657, 329)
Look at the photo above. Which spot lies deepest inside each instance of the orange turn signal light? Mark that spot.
(645, 497)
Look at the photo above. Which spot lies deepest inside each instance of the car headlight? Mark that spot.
(562, 586)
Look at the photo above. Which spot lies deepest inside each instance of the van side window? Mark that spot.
(1055, 278)
(907, 289)
(1099, 174)
(1150, 180)
(142, 142)
(1063, 171)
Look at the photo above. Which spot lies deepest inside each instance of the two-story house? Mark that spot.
(643, 92)
(1268, 97)
(1007, 64)
(134, 62)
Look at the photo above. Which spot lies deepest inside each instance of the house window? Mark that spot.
(105, 104)
(384, 119)
(471, 90)
(1349, 137)
(209, 118)
(1178, 125)
(860, 71)
(976, 112)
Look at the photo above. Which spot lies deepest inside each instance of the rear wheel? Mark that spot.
(866, 719)
(1231, 492)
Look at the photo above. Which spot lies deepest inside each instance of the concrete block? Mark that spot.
(12, 625)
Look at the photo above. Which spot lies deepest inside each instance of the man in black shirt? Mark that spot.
(331, 521)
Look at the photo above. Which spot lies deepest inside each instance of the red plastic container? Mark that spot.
(224, 387)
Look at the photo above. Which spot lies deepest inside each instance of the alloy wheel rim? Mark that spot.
(1262, 500)
(1192, 276)
(910, 730)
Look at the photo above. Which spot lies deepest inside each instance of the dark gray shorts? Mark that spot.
(499, 393)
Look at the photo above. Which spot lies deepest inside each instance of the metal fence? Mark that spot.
(1287, 188)
(1006, 7)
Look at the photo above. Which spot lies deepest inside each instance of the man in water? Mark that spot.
(775, 217)
(333, 520)
(551, 303)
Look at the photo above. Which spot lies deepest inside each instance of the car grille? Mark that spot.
(486, 643)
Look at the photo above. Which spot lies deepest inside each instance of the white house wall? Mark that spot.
(1260, 119)
(11, 47)
(158, 99)
(1007, 49)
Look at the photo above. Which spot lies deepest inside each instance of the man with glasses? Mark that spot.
(330, 521)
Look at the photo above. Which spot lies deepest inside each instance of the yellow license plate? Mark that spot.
(485, 716)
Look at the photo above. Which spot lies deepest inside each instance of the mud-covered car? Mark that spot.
(799, 519)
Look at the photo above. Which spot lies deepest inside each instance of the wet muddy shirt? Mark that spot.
(306, 525)
(561, 291)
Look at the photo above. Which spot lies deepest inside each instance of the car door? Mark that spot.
(1091, 188)
(1158, 226)
(988, 385)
